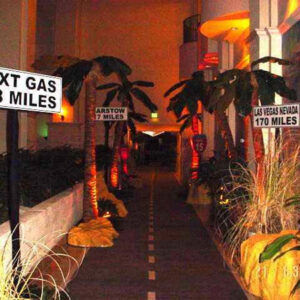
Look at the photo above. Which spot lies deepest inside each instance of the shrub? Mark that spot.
(47, 172)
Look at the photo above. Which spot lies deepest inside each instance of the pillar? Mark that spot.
(17, 35)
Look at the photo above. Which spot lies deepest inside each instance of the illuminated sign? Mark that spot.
(28, 91)
(276, 116)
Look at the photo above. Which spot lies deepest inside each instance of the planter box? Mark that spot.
(44, 224)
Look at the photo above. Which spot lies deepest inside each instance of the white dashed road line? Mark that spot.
(151, 275)
(151, 258)
(151, 247)
(151, 296)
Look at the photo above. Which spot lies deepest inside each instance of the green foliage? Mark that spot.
(143, 97)
(272, 249)
(125, 92)
(74, 70)
(235, 86)
(47, 172)
(275, 248)
(46, 293)
(111, 64)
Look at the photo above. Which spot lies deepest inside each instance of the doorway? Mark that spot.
(157, 149)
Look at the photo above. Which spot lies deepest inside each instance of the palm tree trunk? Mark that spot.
(258, 143)
(195, 154)
(223, 121)
(115, 165)
(90, 207)
(12, 137)
(247, 121)
(106, 144)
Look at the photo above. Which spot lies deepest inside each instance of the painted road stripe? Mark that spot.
(151, 275)
(151, 237)
(151, 296)
(151, 247)
(151, 259)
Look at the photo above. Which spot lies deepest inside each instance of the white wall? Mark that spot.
(45, 224)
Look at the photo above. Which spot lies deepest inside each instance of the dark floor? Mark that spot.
(187, 264)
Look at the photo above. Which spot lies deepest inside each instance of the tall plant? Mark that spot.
(76, 73)
(247, 89)
(195, 91)
(126, 92)
(271, 211)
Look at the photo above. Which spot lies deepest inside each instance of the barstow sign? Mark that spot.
(111, 113)
(28, 91)
(276, 116)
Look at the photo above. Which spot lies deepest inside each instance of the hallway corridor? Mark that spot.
(163, 253)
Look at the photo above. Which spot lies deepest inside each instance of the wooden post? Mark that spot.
(12, 139)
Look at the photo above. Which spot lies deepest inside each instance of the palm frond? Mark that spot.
(76, 72)
(187, 123)
(111, 64)
(107, 86)
(175, 87)
(110, 96)
(270, 59)
(183, 118)
(131, 125)
(143, 83)
(140, 95)
(73, 91)
(138, 117)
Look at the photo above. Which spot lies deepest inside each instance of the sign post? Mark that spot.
(20, 90)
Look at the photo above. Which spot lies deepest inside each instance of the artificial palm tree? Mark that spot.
(195, 91)
(126, 92)
(247, 89)
(75, 73)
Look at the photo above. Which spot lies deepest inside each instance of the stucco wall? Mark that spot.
(212, 9)
(45, 224)
(145, 34)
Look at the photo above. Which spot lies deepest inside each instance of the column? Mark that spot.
(17, 35)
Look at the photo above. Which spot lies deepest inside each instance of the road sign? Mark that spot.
(276, 116)
(28, 91)
(111, 113)
(199, 142)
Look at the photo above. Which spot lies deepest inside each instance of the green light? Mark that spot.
(43, 130)
(154, 115)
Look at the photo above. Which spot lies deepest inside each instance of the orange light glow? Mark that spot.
(67, 113)
(114, 177)
(229, 27)
(291, 15)
(244, 62)
(291, 8)
(211, 58)
(107, 214)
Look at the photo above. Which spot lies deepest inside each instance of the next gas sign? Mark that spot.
(28, 91)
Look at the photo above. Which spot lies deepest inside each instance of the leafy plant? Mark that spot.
(28, 280)
(271, 208)
(126, 92)
(76, 72)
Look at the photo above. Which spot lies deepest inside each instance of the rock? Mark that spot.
(270, 280)
(95, 233)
